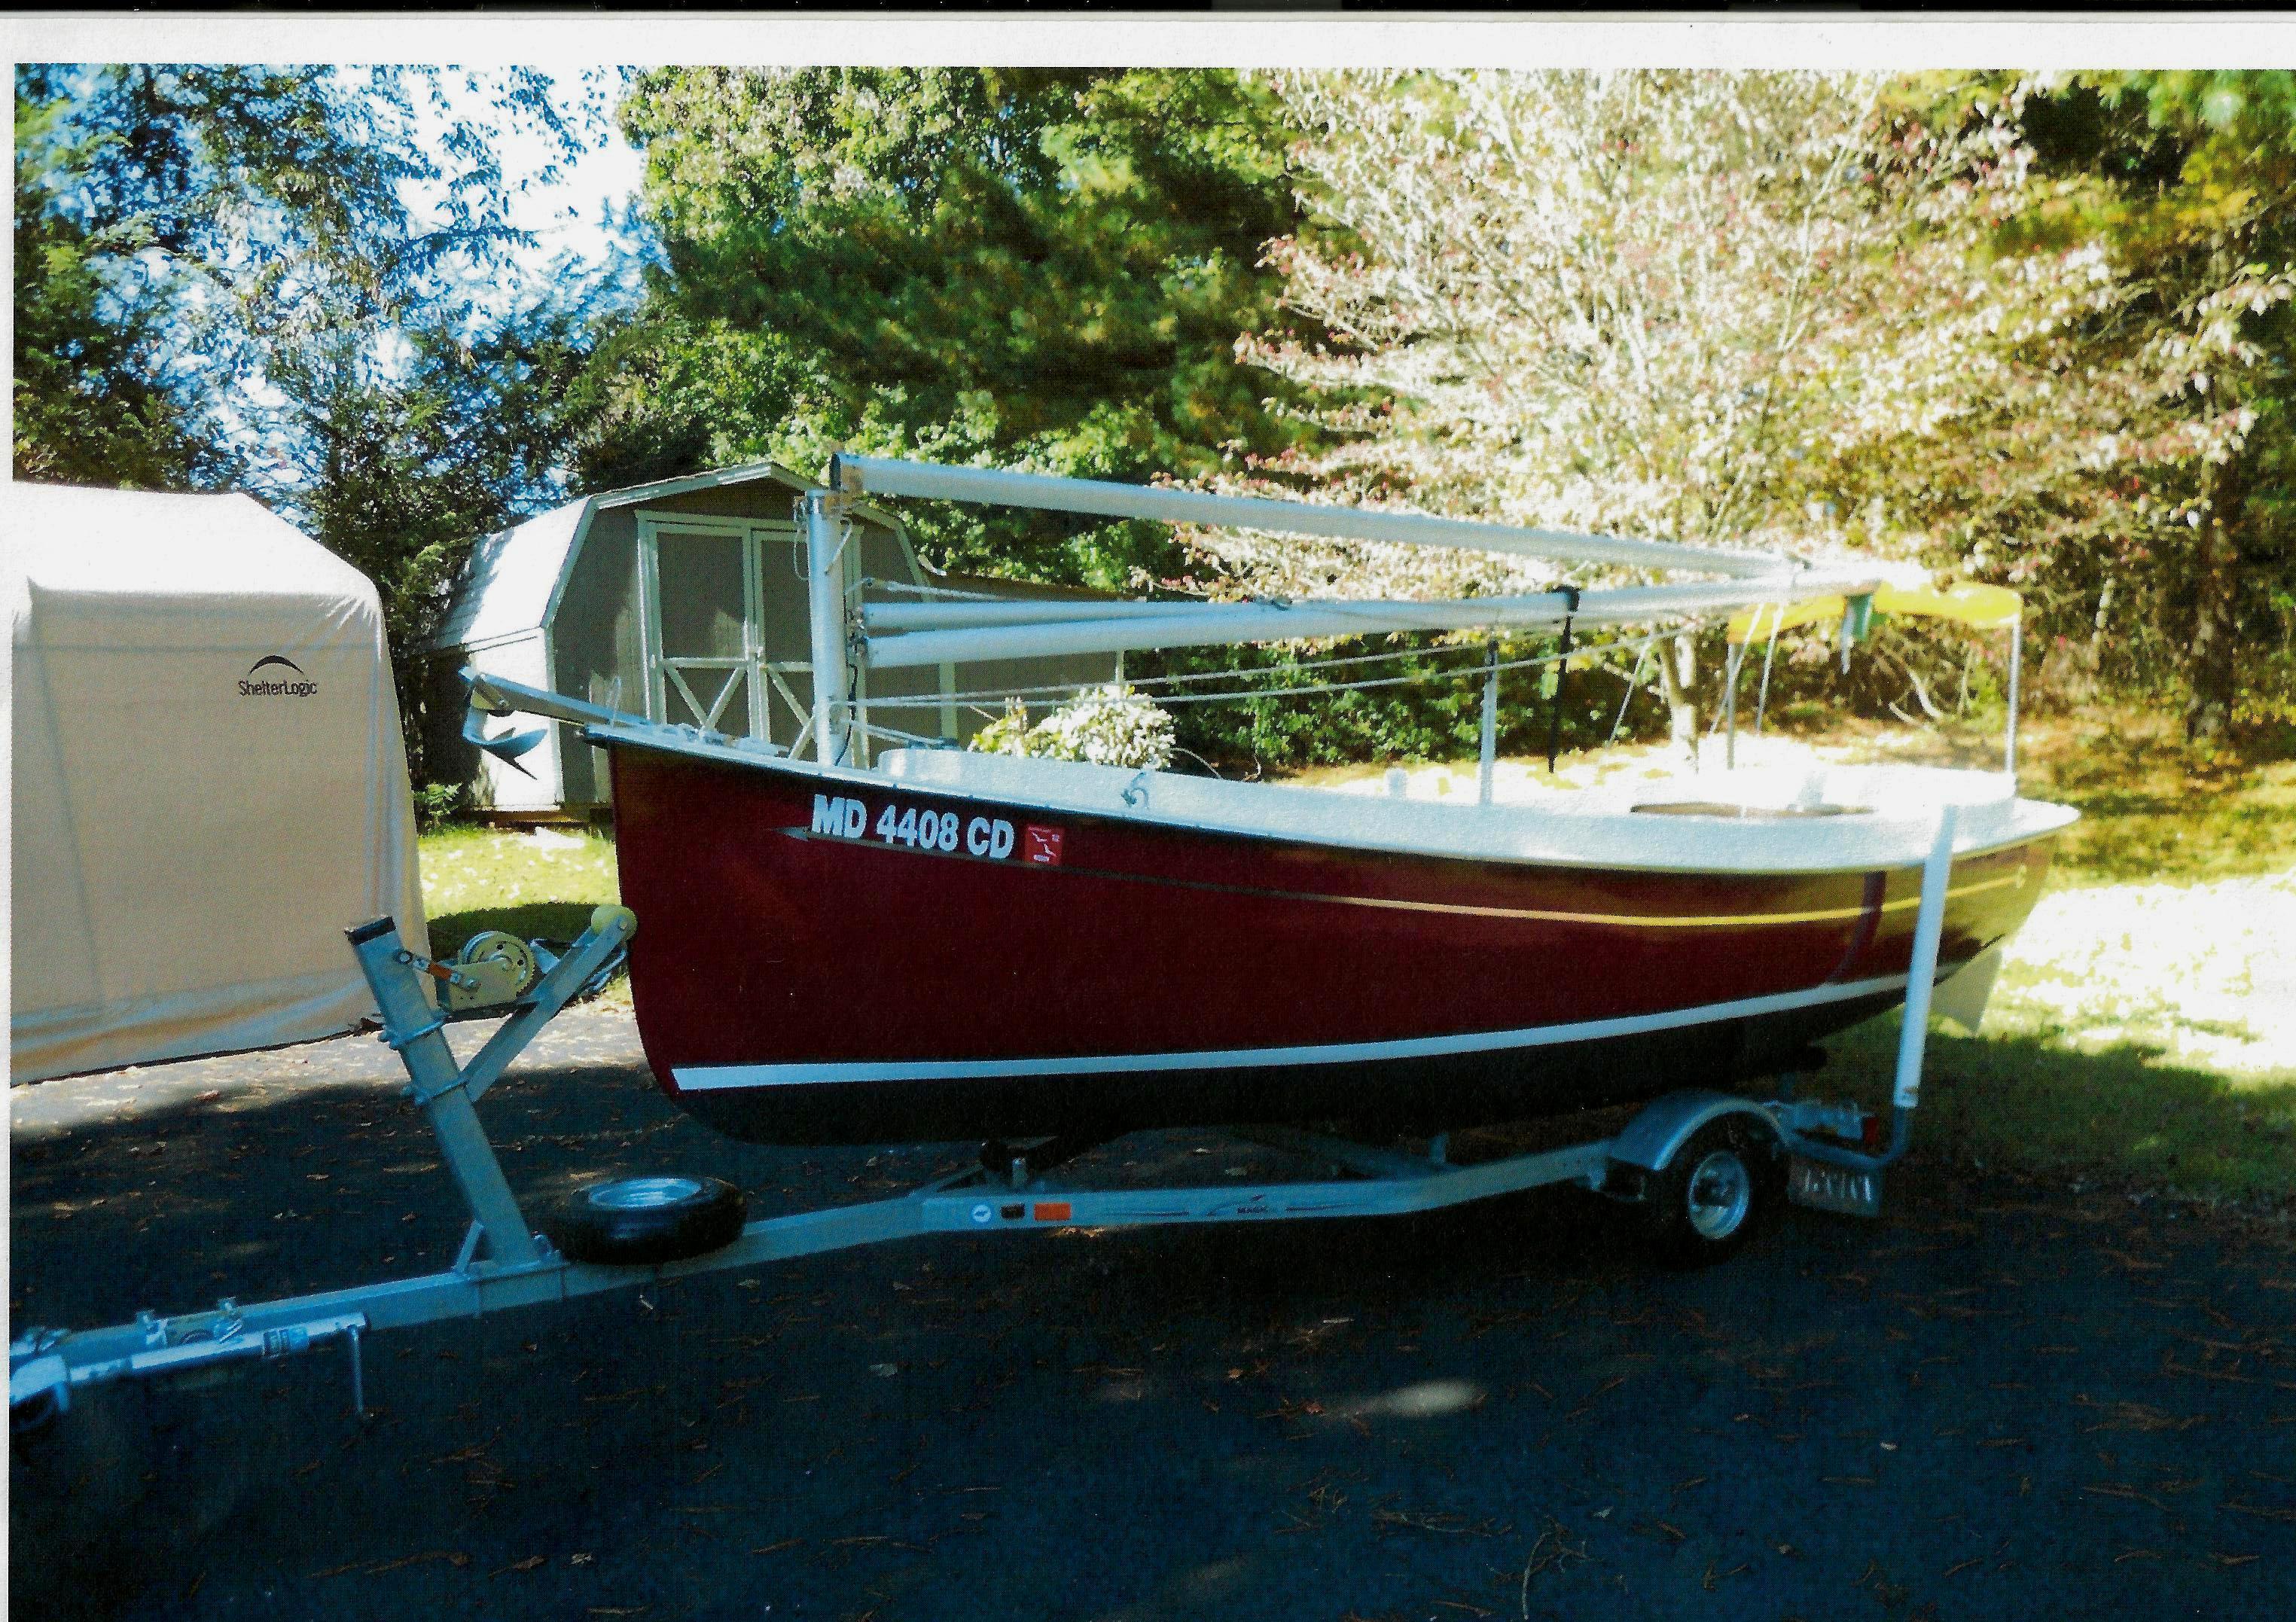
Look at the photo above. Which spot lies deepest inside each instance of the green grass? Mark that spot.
(2142, 1032)
(2027, 1096)
(2138, 1035)
(2154, 810)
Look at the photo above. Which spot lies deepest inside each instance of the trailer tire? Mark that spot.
(639, 1220)
(1725, 1184)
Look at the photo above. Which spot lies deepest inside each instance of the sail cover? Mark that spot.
(209, 780)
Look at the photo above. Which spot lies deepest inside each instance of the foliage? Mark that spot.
(1040, 269)
(2124, 470)
(1667, 304)
(2033, 332)
(439, 804)
(1427, 707)
(93, 400)
(2175, 403)
(287, 195)
(397, 465)
(281, 279)
(1114, 726)
(236, 252)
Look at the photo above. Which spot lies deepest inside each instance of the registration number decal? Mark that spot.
(915, 827)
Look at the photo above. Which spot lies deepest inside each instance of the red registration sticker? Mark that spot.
(1041, 846)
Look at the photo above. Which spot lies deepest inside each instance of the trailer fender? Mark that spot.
(40, 1389)
(1661, 1128)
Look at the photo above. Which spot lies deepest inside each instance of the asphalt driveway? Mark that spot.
(1998, 1401)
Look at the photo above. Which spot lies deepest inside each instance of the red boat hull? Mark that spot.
(803, 980)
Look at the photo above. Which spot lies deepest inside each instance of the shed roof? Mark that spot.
(511, 584)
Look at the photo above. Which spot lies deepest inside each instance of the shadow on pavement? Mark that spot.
(1991, 1402)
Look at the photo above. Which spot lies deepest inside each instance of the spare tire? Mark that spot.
(635, 1220)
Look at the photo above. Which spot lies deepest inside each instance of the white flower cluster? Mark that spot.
(1113, 726)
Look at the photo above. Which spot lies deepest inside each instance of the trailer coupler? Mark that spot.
(45, 1365)
(40, 1378)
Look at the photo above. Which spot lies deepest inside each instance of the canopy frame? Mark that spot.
(1979, 606)
(847, 640)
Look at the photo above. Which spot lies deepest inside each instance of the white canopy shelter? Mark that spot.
(208, 781)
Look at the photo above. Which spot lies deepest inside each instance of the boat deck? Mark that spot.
(1825, 818)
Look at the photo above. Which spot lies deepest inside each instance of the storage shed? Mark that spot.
(209, 782)
(683, 600)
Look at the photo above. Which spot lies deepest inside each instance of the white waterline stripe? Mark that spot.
(702, 1078)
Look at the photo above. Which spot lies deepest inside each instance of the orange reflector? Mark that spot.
(1053, 1210)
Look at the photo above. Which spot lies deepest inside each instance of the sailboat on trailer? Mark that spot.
(928, 943)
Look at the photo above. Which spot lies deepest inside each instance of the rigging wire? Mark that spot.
(1074, 690)
(1634, 685)
(933, 591)
(1189, 678)
(897, 735)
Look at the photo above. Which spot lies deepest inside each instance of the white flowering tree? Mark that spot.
(1685, 305)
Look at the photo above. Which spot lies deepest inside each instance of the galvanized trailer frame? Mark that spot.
(505, 1264)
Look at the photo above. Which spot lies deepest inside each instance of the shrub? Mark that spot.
(436, 804)
(1113, 726)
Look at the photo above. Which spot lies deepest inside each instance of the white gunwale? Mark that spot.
(1551, 832)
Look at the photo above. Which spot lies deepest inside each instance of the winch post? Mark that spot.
(414, 1029)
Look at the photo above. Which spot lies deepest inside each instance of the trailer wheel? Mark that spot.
(649, 1219)
(1722, 1186)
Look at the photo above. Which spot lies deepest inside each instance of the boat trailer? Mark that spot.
(1702, 1165)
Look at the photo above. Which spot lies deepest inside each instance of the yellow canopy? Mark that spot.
(1757, 623)
(1984, 608)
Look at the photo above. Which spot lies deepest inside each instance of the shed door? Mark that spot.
(701, 617)
(784, 632)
